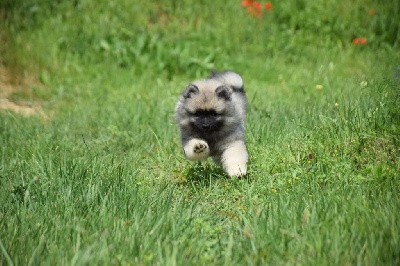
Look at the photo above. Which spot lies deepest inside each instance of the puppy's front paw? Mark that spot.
(200, 147)
(234, 159)
(197, 150)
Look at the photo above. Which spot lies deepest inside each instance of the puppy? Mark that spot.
(211, 115)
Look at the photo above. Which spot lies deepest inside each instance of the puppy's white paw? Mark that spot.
(200, 147)
(237, 170)
(196, 150)
(234, 159)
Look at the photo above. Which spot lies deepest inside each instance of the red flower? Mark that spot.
(252, 10)
(257, 6)
(247, 3)
(372, 12)
(362, 41)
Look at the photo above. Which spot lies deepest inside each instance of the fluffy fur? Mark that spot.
(211, 117)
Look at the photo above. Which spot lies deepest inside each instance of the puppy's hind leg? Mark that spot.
(196, 150)
(234, 159)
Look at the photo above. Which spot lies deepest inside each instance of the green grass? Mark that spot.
(103, 180)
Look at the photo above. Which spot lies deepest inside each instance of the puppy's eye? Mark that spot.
(212, 113)
(205, 113)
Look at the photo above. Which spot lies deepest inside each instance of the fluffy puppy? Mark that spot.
(210, 115)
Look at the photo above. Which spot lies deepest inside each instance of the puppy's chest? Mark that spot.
(215, 140)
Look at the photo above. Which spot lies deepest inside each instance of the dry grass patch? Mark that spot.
(12, 83)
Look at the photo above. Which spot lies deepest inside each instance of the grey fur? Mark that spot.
(210, 115)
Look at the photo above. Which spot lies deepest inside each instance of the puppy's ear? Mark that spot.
(190, 90)
(224, 92)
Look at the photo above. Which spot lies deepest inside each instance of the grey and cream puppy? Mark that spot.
(211, 117)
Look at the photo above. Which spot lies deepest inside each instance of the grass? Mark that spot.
(102, 179)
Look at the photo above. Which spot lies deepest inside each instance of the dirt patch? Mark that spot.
(6, 86)
(11, 83)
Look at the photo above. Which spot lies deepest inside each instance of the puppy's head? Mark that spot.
(208, 105)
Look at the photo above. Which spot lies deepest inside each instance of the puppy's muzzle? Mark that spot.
(207, 124)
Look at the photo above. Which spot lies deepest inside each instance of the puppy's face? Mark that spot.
(207, 106)
(206, 120)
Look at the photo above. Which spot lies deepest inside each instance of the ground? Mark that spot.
(10, 84)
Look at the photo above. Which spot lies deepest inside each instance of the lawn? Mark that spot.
(91, 166)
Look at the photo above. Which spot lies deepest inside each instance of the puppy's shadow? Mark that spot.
(203, 174)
